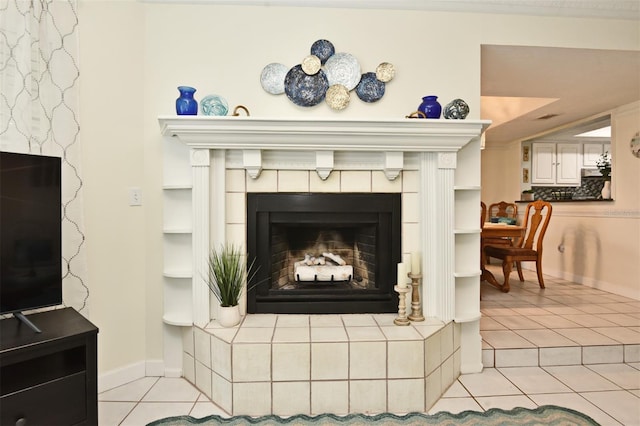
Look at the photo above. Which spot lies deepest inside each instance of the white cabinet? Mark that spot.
(591, 152)
(556, 164)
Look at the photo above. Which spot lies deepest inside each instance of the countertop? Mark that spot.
(590, 200)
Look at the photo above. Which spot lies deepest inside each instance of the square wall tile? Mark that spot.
(235, 180)
(221, 393)
(203, 378)
(331, 184)
(457, 363)
(330, 397)
(446, 341)
(410, 180)
(202, 343)
(406, 395)
(236, 234)
(329, 361)
(266, 182)
(410, 242)
(457, 336)
(252, 399)
(367, 360)
(291, 361)
(410, 210)
(447, 370)
(221, 357)
(251, 362)
(236, 207)
(355, 181)
(488, 358)
(189, 367)
(367, 396)
(516, 357)
(291, 398)
(406, 359)
(433, 353)
(188, 340)
(293, 181)
(631, 353)
(433, 388)
(561, 356)
(608, 354)
(380, 182)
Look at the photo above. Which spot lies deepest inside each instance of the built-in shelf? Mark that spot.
(186, 273)
(470, 273)
(176, 319)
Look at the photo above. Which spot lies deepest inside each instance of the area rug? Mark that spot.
(544, 415)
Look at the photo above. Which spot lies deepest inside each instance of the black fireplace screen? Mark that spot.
(323, 253)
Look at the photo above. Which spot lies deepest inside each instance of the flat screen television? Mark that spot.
(30, 233)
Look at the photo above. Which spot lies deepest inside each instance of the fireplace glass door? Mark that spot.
(323, 253)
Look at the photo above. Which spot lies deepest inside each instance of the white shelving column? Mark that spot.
(467, 255)
(177, 252)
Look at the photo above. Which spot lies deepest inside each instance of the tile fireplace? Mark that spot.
(217, 167)
(320, 253)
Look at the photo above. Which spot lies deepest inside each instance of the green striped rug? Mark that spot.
(548, 415)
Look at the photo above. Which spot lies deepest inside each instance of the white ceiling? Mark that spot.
(615, 9)
(520, 84)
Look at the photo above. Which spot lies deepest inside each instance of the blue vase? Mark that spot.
(430, 107)
(185, 104)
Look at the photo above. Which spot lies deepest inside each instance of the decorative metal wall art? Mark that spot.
(325, 75)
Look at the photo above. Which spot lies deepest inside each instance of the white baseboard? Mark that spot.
(155, 368)
(121, 376)
(590, 282)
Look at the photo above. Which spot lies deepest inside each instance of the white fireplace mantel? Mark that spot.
(324, 136)
(406, 135)
(445, 152)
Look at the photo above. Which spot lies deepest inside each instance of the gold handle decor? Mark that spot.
(416, 114)
(236, 113)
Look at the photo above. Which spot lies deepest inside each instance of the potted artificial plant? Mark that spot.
(528, 195)
(228, 273)
(604, 166)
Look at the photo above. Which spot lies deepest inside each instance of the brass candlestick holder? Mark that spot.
(416, 307)
(402, 305)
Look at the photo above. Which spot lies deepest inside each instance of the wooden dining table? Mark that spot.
(496, 230)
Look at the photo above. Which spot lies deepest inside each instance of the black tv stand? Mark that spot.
(20, 316)
(49, 378)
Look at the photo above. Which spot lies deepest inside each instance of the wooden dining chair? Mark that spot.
(501, 209)
(483, 213)
(529, 249)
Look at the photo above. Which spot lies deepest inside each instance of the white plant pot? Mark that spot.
(528, 196)
(606, 190)
(229, 316)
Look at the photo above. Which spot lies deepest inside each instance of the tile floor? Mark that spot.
(567, 345)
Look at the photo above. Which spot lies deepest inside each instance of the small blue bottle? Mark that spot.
(186, 104)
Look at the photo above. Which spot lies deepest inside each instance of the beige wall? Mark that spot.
(601, 240)
(134, 54)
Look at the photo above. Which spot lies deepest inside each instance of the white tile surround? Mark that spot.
(312, 364)
(274, 364)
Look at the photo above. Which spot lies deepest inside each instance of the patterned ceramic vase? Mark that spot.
(430, 107)
(186, 104)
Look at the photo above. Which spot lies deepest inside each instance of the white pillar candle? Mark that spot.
(416, 264)
(402, 275)
(406, 259)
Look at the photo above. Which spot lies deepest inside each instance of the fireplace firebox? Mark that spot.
(319, 253)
